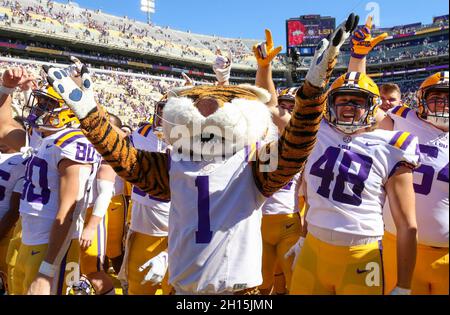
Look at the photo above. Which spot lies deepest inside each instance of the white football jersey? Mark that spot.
(345, 177)
(12, 170)
(40, 196)
(215, 243)
(430, 179)
(149, 215)
(284, 200)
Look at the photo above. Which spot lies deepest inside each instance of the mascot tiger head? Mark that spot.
(215, 121)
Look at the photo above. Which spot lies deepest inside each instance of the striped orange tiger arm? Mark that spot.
(295, 144)
(149, 171)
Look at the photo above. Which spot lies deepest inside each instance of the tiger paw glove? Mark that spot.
(158, 268)
(80, 99)
(327, 52)
(295, 250)
(264, 52)
(362, 41)
(222, 67)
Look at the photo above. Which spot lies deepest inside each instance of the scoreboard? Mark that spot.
(305, 32)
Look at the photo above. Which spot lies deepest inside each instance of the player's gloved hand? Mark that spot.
(295, 250)
(400, 291)
(222, 67)
(80, 99)
(265, 52)
(327, 52)
(362, 41)
(158, 268)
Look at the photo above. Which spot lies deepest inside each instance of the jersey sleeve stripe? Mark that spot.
(394, 140)
(403, 112)
(403, 141)
(68, 139)
(145, 130)
(63, 135)
(407, 142)
(250, 151)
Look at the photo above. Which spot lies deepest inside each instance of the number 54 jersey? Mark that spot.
(430, 179)
(40, 196)
(346, 174)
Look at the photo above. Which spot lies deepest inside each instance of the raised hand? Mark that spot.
(187, 80)
(362, 41)
(327, 52)
(265, 52)
(80, 99)
(18, 78)
(222, 66)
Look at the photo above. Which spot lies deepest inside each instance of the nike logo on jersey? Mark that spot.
(368, 144)
(289, 225)
(34, 252)
(11, 163)
(48, 146)
(359, 271)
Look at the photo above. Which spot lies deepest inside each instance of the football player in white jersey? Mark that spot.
(145, 262)
(12, 169)
(430, 123)
(346, 180)
(58, 175)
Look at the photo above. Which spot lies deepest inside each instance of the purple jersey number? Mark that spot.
(85, 152)
(28, 187)
(427, 171)
(344, 176)
(204, 234)
(5, 176)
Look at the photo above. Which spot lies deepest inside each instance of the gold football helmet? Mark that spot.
(435, 110)
(358, 84)
(46, 110)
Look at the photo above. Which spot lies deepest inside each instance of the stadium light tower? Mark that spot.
(148, 6)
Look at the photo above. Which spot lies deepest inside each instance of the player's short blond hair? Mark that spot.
(390, 87)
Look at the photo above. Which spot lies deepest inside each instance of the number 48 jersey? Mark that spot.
(40, 196)
(346, 174)
(430, 179)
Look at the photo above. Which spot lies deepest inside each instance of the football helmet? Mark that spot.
(438, 82)
(358, 84)
(46, 110)
(286, 98)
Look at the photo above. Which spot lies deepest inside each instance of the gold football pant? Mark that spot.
(12, 253)
(279, 233)
(117, 214)
(431, 271)
(142, 248)
(92, 259)
(29, 260)
(325, 269)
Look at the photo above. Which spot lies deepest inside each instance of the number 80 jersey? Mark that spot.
(40, 196)
(346, 174)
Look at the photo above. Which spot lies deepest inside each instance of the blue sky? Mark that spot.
(248, 18)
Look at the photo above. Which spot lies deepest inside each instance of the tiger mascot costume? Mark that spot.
(213, 176)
